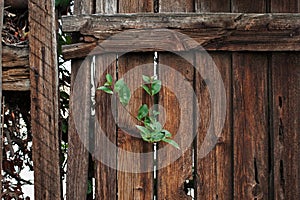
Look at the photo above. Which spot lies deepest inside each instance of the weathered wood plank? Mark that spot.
(44, 113)
(134, 185)
(214, 171)
(106, 6)
(255, 6)
(106, 176)
(135, 6)
(178, 104)
(283, 6)
(176, 6)
(15, 69)
(286, 129)
(233, 32)
(83, 7)
(78, 132)
(212, 6)
(250, 126)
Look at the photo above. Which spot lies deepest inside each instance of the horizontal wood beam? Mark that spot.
(15, 69)
(213, 31)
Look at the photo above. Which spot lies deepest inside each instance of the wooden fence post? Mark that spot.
(44, 99)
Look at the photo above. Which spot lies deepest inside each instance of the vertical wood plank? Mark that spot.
(134, 185)
(171, 179)
(250, 126)
(135, 6)
(176, 6)
(214, 171)
(44, 100)
(285, 6)
(78, 155)
(212, 6)
(286, 95)
(244, 6)
(106, 6)
(106, 177)
(83, 7)
(168, 185)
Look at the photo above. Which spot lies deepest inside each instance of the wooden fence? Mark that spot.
(257, 155)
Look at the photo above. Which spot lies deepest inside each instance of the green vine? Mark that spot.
(151, 131)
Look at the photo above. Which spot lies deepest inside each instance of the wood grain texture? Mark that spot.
(107, 6)
(44, 100)
(178, 117)
(135, 6)
(285, 6)
(255, 6)
(176, 6)
(250, 126)
(15, 69)
(214, 171)
(178, 103)
(212, 6)
(78, 155)
(134, 185)
(83, 7)
(286, 109)
(106, 177)
(232, 32)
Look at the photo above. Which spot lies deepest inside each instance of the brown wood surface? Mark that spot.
(212, 6)
(286, 129)
(171, 179)
(44, 100)
(107, 6)
(214, 171)
(134, 185)
(178, 120)
(106, 177)
(244, 6)
(15, 68)
(78, 156)
(213, 31)
(250, 126)
(284, 6)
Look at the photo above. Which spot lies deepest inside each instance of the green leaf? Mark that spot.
(155, 126)
(119, 85)
(146, 88)
(146, 79)
(145, 133)
(171, 142)
(107, 84)
(109, 78)
(166, 133)
(157, 136)
(143, 112)
(105, 89)
(155, 113)
(124, 95)
(155, 87)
